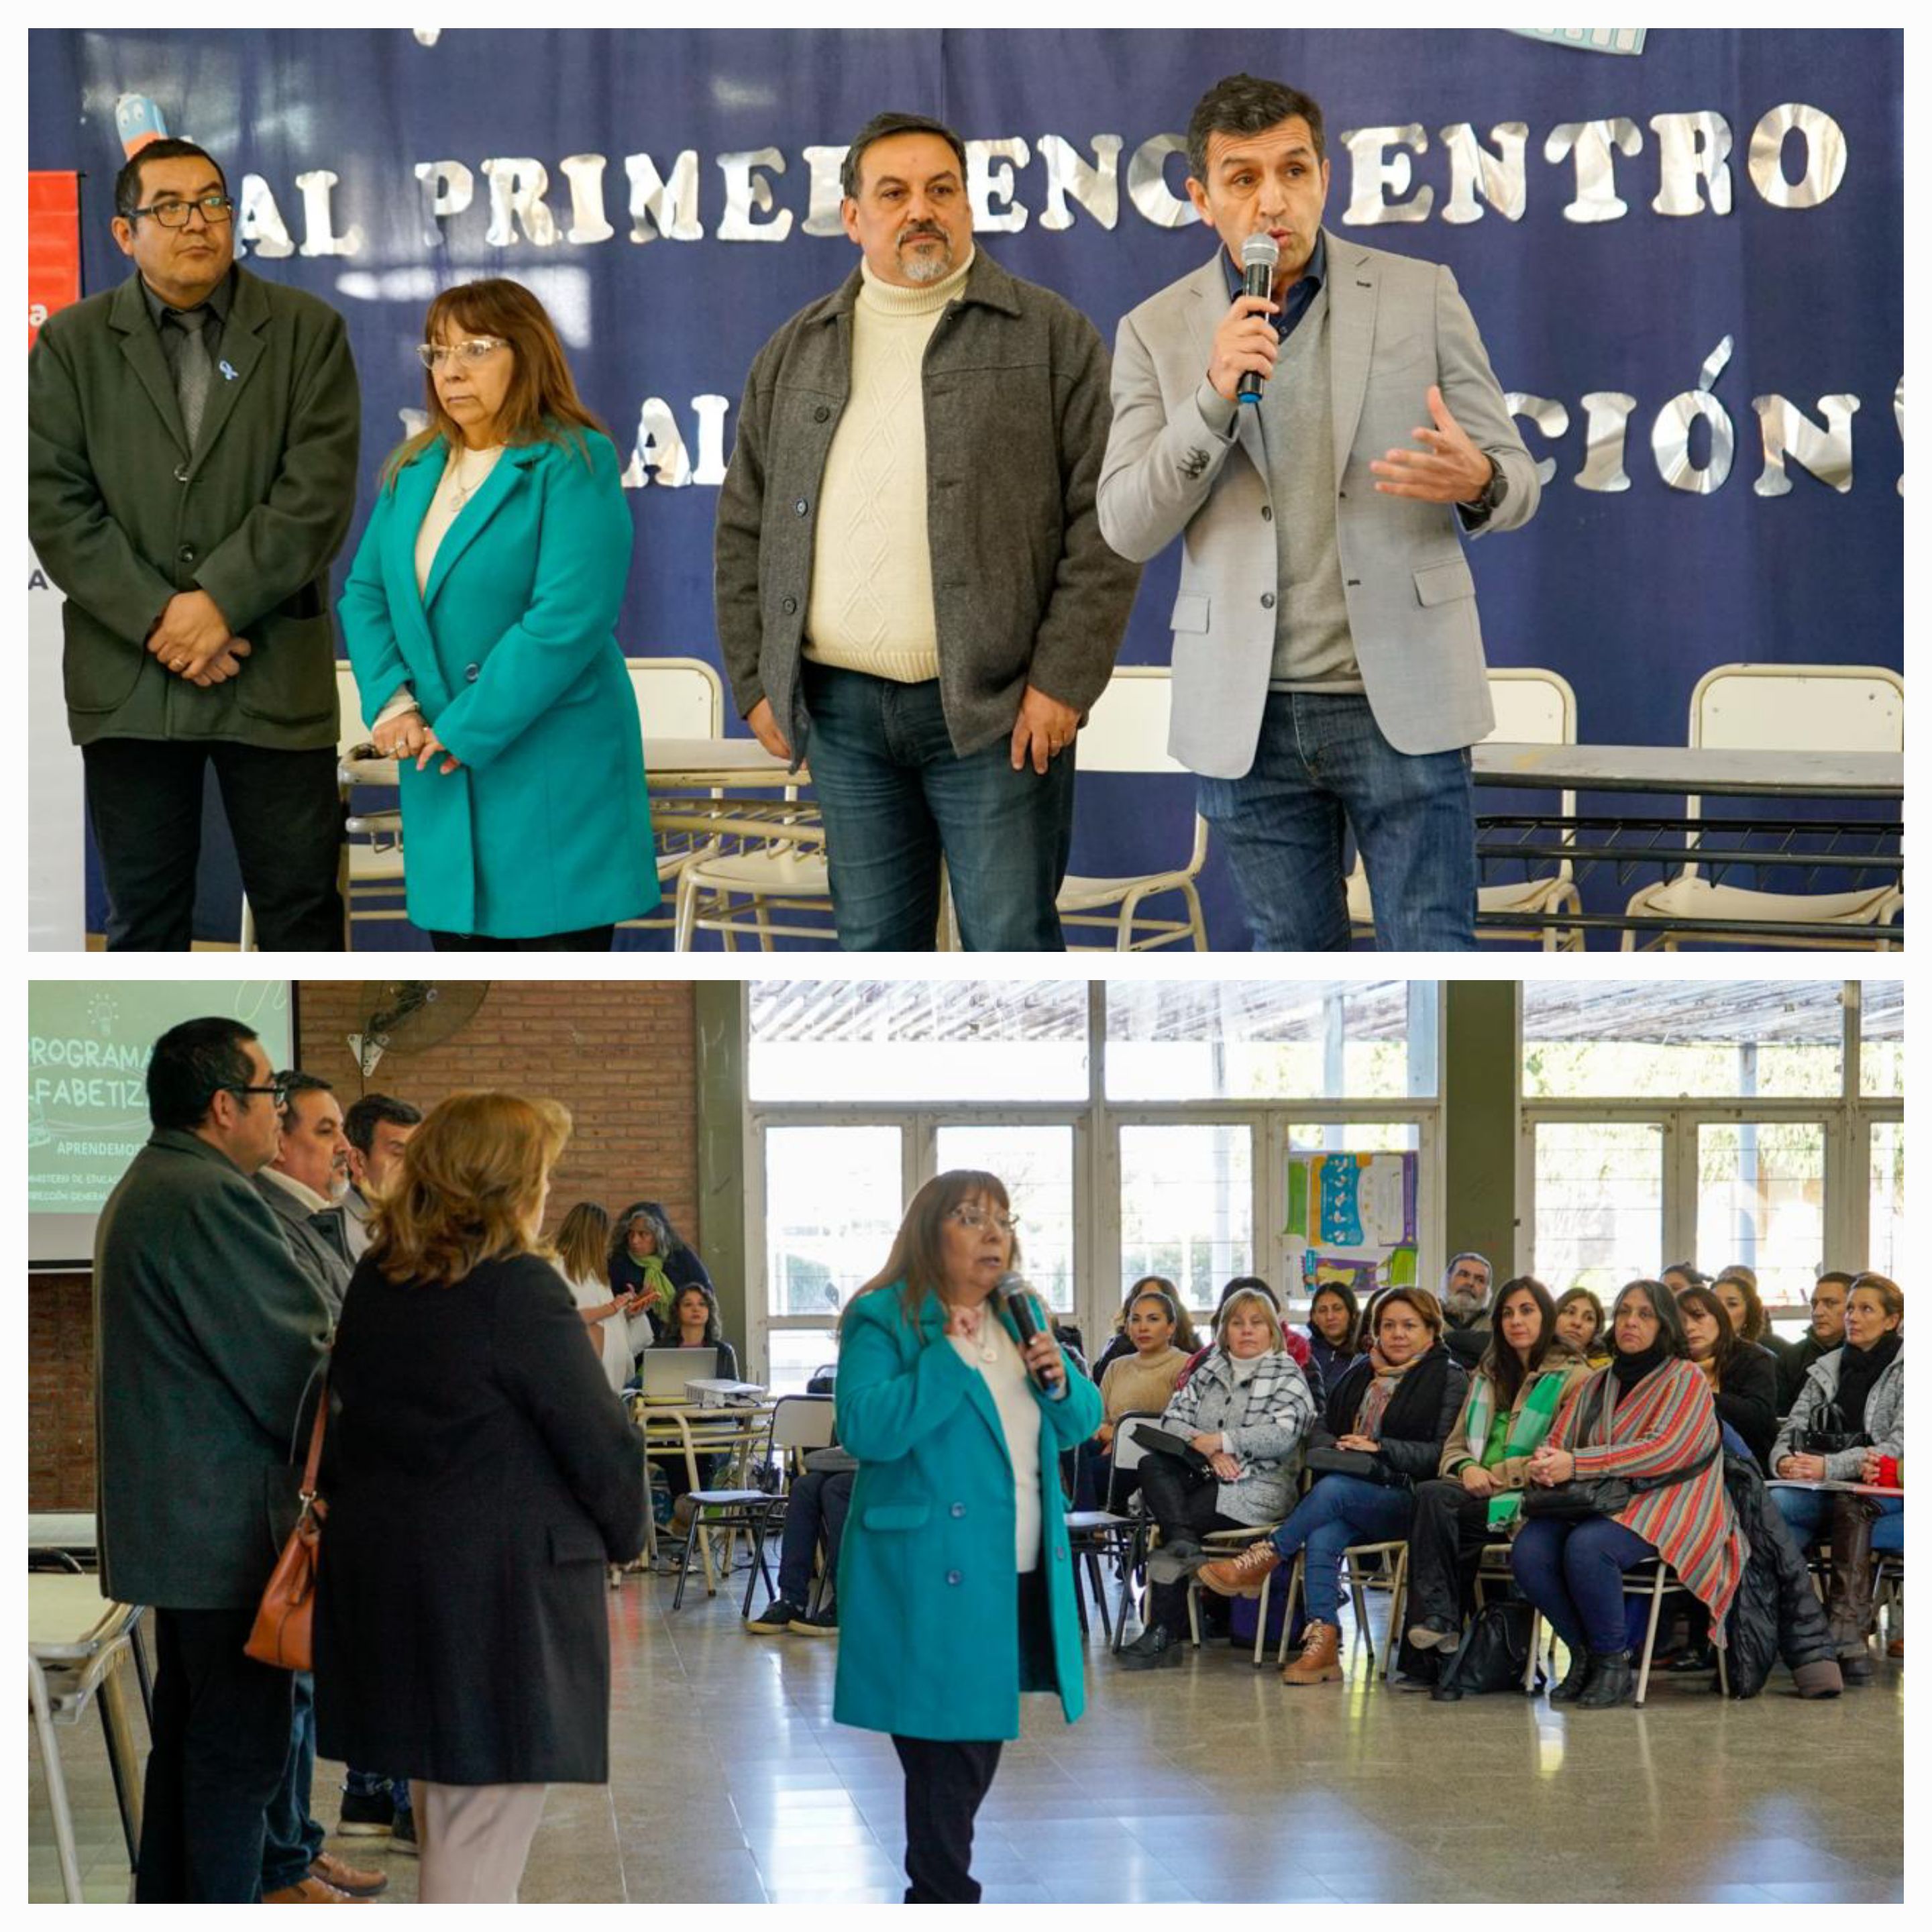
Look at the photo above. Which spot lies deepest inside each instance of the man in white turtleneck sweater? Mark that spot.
(912, 588)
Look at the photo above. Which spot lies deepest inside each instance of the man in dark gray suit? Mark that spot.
(206, 1334)
(191, 450)
(1327, 662)
(300, 1183)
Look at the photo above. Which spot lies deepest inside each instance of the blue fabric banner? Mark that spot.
(1612, 220)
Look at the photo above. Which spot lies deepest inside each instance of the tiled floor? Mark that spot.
(730, 1782)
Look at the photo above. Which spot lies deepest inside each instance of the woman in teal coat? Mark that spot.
(956, 1587)
(481, 617)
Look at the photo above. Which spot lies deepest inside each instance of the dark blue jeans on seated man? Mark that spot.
(293, 1840)
(897, 798)
(1321, 760)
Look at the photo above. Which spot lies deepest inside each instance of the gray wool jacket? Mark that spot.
(1265, 1421)
(1885, 1415)
(1025, 589)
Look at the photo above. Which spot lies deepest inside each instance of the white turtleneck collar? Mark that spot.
(889, 298)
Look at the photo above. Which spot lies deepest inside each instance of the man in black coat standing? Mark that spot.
(206, 1333)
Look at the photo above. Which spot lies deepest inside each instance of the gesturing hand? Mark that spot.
(1447, 469)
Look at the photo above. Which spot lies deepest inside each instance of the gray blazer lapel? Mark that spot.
(1355, 287)
(241, 350)
(128, 317)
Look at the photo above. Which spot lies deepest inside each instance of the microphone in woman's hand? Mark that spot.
(1013, 1295)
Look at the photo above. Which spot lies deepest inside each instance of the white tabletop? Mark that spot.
(55, 1529)
(1681, 769)
(64, 1612)
(668, 763)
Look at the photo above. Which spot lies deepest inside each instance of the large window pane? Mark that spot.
(1882, 1040)
(833, 1202)
(1187, 1208)
(797, 1354)
(1326, 1040)
(1761, 1202)
(1886, 1251)
(1036, 1164)
(1599, 1204)
(1660, 1039)
(918, 1040)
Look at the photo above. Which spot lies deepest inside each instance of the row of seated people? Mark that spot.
(1405, 1446)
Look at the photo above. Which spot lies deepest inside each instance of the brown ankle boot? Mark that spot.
(1242, 1576)
(1320, 1659)
(1848, 1607)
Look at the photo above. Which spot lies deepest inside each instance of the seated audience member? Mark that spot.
(1245, 1409)
(1162, 1338)
(814, 1513)
(1744, 1380)
(1649, 1414)
(1466, 1307)
(1517, 1392)
(1334, 1327)
(1121, 1343)
(1293, 1341)
(582, 1245)
(1856, 1394)
(693, 1324)
(648, 1258)
(1827, 1332)
(1736, 1288)
(1580, 1322)
(1393, 1406)
(1680, 1275)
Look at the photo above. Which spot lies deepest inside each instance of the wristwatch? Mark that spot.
(1490, 498)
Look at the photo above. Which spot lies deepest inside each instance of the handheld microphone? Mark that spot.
(1260, 255)
(1013, 1295)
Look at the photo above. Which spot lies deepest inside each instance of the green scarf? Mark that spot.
(1527, 1427)
(656, 1287)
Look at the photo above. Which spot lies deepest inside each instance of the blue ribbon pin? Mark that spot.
(227, 369)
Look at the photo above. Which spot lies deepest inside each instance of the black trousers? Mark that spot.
(283, 811)
(221, 1735)
(588, 939)
(1446, 1536)
(946, 1779)
(1181, 1499)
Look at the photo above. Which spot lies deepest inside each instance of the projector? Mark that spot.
(722, 1394)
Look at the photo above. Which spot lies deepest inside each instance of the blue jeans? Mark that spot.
(1322, 759)
(374, 1784)
(1573, 1572)
(1809, 1513)
(294, 1839)
(1337, 1511)
(897, 798)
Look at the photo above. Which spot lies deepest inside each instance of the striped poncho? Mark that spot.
(1667, 1420)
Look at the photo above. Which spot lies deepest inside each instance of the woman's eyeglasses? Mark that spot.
(974, 1218)
(431, 354)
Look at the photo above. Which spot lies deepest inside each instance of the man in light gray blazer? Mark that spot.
(1327, 662)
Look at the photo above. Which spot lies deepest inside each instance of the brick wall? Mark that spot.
(621, 1054)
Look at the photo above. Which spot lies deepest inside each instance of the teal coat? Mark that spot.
(929, 1632)
(511, 651)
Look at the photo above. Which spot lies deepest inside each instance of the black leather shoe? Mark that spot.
(1571, 1688)
(1151, 1649)
(1611, 1681)
(1698, 1656)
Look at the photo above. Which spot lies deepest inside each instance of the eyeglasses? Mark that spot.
(974, 1218)
(281, 1094)
(215, 209)
(431, 353)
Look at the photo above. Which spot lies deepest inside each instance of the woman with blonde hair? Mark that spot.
(479, 1474)
(580, 1247)
(481, 617)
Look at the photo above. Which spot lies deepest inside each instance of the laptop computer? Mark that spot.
(665, 1371)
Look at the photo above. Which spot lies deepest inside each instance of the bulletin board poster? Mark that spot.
(1351, 1220)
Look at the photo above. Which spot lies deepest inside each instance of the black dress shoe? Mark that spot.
(1151, 1649)
(1698, 1656)
(1611, 1681)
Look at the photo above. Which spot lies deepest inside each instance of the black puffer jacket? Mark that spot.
(1776, 1612)
(1416, 1423)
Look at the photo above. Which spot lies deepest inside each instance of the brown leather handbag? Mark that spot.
(283, 1634)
